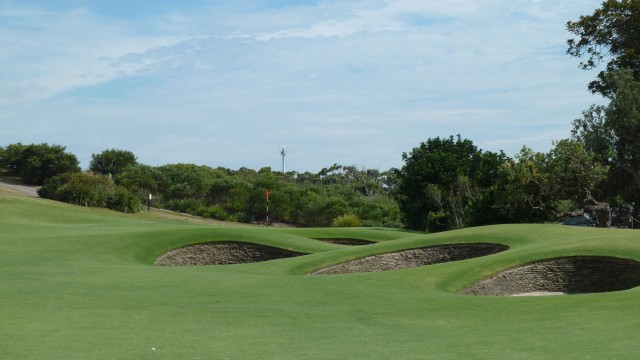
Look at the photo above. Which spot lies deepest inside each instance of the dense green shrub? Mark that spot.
(213, 212)
(85, 190)
(189, 206)
(36, 163)
(438, 221)
(90, 190)
(348, 220)
(241, 217)
(120, 199)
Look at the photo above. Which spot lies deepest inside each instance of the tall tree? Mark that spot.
(440, 178)
(623, 117)
(613, 132)
(111, 161)
(560, 182)
(612, 35)
(595, 133)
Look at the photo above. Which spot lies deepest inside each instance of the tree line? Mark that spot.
(336, 195)
(445, 183)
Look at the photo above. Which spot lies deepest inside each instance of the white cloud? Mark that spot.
(370, 78)
(49, 52)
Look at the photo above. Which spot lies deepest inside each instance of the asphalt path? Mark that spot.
(14, 184)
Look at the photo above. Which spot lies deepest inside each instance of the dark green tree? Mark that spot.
(595, 133)
(111, 161)
(613, 133)
(37, 162)
(558, 183)
(443, 176)
(142, 180)
(608, 35)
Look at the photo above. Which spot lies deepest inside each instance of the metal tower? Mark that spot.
(283, 152)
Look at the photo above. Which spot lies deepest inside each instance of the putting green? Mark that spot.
(81, 283)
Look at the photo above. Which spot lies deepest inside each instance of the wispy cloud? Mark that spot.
(49, 52)
(370, 78)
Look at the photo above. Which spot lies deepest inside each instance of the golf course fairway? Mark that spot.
(80, 283)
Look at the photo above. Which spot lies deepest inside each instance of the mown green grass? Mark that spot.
(80, 283)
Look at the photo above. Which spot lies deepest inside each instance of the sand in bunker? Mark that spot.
(346, 241)
(413, 258)
(558, 276)
(222, 253)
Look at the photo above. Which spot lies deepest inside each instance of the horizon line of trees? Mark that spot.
(445, 183)
(337, 195)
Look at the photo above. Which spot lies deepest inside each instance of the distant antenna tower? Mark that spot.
(283, 152)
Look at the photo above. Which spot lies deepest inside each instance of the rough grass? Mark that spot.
(80, 283)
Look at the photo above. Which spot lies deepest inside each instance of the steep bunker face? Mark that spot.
(414, 258)
(566, 275)
(346, 241)
(222, 253)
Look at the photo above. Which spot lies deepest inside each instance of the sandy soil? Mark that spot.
(540, 293)
(222, 253)
(413, 258)
(566, 275)
(346, 241)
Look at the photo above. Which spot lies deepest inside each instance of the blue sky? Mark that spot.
(226, 83)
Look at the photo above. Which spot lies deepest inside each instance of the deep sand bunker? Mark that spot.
(566, 275)
(414, 258)
(222, 253)
(346, 241)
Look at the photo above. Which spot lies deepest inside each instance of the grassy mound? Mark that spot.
(81, 283)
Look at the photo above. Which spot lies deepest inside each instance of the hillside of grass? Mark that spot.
(79, 283)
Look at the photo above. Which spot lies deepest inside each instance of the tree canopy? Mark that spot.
(112, 161)
(611, 34)
(440, 178)
(612, 132)
(558, 183)
(35, 163)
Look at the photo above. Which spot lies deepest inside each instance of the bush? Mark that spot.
(90, 190)
(188, 206)
(84, 190)
(241, 217)
(120, 199)
(51, 186)
(217, 212)
(346, 221)
(438, 221)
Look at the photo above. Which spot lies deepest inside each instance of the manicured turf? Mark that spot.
(80, 283)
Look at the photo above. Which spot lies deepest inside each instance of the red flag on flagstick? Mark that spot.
(267, 193)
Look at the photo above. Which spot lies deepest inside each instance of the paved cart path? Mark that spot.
(14, 184)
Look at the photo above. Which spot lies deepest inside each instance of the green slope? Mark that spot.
(80, 283)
